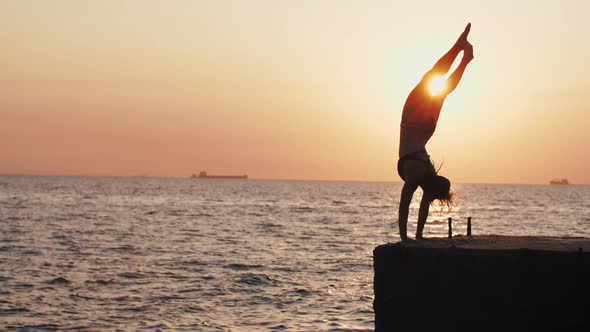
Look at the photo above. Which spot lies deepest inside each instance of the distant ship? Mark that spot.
(559, 181)
(204, 175)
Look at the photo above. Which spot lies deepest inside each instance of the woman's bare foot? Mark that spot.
(462, 40)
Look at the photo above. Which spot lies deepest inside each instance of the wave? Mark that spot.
(59, 281)
(302, 209)
(101, 282)
(132, 275)
(13, 311)
(241, 266)
(191, 262)
(270, 225)
(252, 279)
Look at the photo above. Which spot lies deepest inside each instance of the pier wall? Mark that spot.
(498, 284)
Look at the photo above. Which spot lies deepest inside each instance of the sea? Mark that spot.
(151, 254)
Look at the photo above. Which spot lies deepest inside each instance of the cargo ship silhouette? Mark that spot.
(204, 175)
(559, 182)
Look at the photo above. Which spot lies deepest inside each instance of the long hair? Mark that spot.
(439, 188)
(449, 203)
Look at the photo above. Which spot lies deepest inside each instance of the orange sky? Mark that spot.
(289, 89)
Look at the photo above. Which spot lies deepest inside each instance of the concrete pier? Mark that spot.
(483, 283)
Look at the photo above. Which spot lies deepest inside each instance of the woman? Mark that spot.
(419, 119)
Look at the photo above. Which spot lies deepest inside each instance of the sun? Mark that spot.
(437, 85)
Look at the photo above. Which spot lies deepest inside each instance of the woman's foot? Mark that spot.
(462, 40)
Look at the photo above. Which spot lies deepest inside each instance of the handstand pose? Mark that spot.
(419, 119)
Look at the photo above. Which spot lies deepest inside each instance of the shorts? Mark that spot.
(418, 155)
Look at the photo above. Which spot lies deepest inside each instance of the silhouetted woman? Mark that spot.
(419, 119)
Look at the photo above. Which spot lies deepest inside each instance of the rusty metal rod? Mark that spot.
(450, 227)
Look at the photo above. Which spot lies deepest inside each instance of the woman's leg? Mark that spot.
(456, 76)
(443, 65)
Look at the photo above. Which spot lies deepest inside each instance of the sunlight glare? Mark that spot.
(437, 85)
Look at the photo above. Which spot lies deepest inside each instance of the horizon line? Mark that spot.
(262, 179)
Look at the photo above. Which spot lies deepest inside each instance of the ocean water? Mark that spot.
(226, 255)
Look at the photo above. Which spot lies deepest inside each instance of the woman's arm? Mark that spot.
(423, 214)
(413, 171)
(404, 208)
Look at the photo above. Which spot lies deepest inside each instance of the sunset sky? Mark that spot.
(290, 89)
